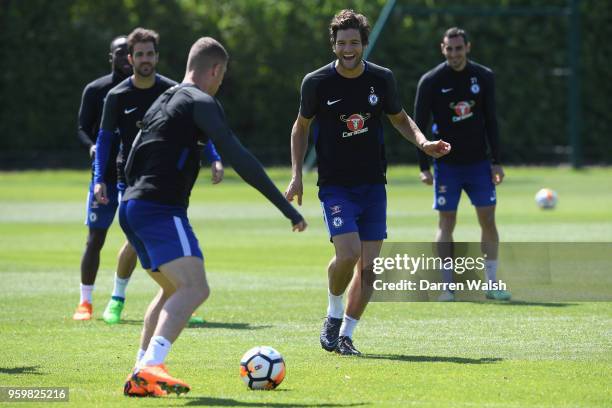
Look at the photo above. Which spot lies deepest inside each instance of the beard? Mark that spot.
(145, 70)
(457, 63)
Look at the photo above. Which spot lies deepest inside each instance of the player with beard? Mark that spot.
(124, 109)
(347, 100)
(99, 218)
(459, 94)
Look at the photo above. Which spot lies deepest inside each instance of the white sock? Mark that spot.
(348, 325)
(119, 288)
(157, 351)
(139, 356)
(335, 308)
(86, 293)
(491, 269)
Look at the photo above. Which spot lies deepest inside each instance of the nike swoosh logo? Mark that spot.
(128, 111)
(330, 103)
(445, 90)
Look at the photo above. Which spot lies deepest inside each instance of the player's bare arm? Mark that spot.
(411, 132)
(299, 144)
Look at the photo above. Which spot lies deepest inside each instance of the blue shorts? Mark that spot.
(100, 216)
(159, 233)
(475, 179)
(361, 209)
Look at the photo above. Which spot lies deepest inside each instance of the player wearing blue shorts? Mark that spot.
(99, 217)
(161, 170)
(124, 108)
(345, 101)
(459, 95)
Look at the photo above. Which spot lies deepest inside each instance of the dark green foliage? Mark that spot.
(50, 50)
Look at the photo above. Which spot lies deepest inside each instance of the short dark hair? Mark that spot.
(347, 19)
(119, 39)
(205, 53)
(456, 32)
(142, 35)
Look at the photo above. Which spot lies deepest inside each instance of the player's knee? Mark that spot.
(347, 258)
(487, 220)
(447, 222)
(199, 288)
(168, 291)
(95, 240)
(201, 292)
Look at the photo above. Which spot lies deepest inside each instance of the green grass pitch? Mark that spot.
(269, 288)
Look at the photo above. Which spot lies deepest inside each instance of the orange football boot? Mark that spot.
(151, 377)
(83, 312)
(132, 389)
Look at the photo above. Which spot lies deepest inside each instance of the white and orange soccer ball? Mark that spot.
(546, 198)
(262, 368)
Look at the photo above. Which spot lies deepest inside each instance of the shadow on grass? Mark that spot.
(431, 359)
(229, 402)
(129, 322)
(208, 325)
(231, 326)
(522, 303)
(20, 370)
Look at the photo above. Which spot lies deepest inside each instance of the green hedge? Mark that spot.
(50, 49)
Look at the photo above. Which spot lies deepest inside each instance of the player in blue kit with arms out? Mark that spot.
(346, 101)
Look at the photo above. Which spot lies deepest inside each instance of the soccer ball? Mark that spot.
(546, 198)
(262, 368)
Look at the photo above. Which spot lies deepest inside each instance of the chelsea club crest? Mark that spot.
(373, 99)
(475, 88)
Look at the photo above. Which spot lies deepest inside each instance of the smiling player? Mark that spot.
(460, 95)
(347, 100)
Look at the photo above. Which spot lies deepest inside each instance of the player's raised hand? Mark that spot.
(217, 171)
(426, 177)
(497, 173)
(437, 148)
(295, 188)
(100, 193)
(300, 226)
